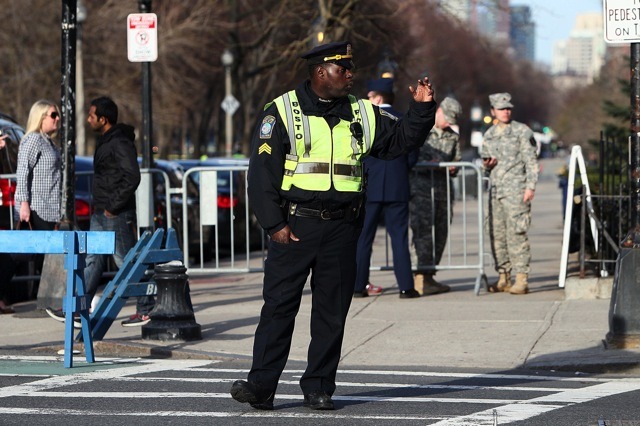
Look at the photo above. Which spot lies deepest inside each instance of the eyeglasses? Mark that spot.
(54, 115)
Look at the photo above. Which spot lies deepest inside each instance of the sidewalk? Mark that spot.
(454, 330)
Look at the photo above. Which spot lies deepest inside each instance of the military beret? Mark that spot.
(338, 52)
(500, 100)
(381, 85)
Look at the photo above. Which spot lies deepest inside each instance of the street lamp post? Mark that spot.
(227, 62)
(80, 134)
(68, 101)
(476, 132)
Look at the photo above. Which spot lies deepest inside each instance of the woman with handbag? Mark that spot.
(39, 169)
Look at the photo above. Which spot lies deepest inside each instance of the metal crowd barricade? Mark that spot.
(465, 217)
(231, 229)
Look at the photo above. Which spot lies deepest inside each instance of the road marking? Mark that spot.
(351, 384)
(433, 374)
(141, 367)
(502, 410)
(250, 414)
(533, 407)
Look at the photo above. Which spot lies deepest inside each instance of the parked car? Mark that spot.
(231, 203)
(8, 162)
(83, 191)
(175, 174)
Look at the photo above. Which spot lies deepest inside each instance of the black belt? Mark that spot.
(321, 214)
(324, 214)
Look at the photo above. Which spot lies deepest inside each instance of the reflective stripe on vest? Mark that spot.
(312, 164)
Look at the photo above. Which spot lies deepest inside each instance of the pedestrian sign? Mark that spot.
(142, 37)
(230, 104)
(621, 21)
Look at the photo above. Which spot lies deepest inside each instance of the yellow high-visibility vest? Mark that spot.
(320, 155)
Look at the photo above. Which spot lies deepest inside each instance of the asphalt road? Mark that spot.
(39, 391)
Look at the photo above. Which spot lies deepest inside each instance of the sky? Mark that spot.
(554, 20)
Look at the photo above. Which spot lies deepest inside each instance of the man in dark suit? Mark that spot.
(388, 193)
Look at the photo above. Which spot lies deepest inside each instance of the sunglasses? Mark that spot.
(54, 115)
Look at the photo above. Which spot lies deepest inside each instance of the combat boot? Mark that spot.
(418, 283)
(521, 286)
(503, 283)
(431, 286)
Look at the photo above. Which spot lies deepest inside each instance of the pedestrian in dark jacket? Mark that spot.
(115, 180)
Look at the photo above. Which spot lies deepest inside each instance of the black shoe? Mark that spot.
(253, 393)
(318, 400)
(436, 288)
(409, 294)
(363, 293)
(59, 315)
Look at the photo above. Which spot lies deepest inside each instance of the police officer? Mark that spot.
(305, 187)
(509, 153)
(388, 193)
(431, 206)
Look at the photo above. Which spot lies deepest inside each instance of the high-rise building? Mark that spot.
(460, 9)
(582, 54)
(522, 33)
(492, 20)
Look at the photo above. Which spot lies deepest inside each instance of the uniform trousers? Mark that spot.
(327, 249)
(509, 221)
(431, 214)
(396, 219)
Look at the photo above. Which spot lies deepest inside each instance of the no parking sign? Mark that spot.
(142, 37)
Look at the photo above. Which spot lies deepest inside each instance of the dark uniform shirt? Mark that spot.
(392, 138)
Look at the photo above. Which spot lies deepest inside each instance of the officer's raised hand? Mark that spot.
(423, 91)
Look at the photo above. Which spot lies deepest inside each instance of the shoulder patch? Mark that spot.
(266, 128)
(388, 114)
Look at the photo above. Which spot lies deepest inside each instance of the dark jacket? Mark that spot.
(392, 139)
(116, 171)
(387, 180)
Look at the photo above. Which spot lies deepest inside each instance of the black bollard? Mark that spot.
(172, 318)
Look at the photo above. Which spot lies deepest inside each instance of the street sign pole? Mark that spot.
(147, 159)
(624, 315)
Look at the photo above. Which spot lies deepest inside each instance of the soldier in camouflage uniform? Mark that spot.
(509, 154)
(428, 204)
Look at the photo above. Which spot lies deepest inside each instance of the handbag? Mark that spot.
(23, 257)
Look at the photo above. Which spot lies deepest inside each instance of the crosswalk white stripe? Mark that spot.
(73, 379)
(250, 414)
(433, 374)
(536, 406)
(352, 384)
(225, 395)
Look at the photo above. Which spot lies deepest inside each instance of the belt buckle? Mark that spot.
(325, 214)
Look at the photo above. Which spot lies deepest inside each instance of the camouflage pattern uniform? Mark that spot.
(428, 204)
(509, 217)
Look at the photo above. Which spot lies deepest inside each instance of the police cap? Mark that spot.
(381, 85)
(338, 52)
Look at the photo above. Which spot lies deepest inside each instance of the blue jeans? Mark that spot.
(124, 226)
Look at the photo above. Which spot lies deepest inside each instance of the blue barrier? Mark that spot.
(75, 245)
(132, 279)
